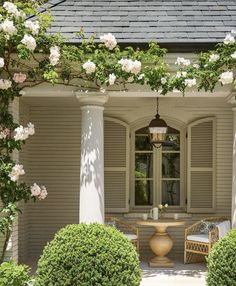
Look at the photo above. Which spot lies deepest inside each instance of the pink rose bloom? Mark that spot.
(35, 190)
(19, 77)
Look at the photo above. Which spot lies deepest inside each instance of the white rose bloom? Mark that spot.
(22, 92)
(190, 82)
(112, 78)
(109, 40)
(30, 128)
(16, 171)
(21, 133)
(163, 80)
(178, 74)
(182, 62)
(3, 135)
(54, 55)
(126, 64)
(196, 66)
(11, 8)
(8, 27)
(89, 67)
(181, 74)
(5, 84)
(226, 77)
(229, 39)
(35, 190)
(32, 26)
(213, 58)
(166, 205)
(43, 193)
(141, 76)
(29, 42)
(233, 55)
(1, 62)
(136, 67)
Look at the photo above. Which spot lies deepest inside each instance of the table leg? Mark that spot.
(161, 244)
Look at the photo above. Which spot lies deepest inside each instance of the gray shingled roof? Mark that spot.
(140, 21)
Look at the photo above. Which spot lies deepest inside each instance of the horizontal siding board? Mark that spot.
(54, 161)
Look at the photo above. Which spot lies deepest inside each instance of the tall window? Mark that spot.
(157, 171)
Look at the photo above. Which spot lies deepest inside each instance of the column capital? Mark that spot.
(91, 99)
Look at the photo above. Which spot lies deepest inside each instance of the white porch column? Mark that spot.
(92, 159)
(234, 171)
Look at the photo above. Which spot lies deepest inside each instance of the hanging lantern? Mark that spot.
(157, 130)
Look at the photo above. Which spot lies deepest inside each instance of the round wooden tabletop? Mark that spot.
(160, 222)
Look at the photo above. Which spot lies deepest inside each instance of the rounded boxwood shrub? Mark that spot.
(221, 262)
(12, 274)
(89, 255)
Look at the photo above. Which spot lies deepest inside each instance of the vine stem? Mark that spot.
(4, 249)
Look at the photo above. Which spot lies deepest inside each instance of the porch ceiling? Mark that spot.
(130, 109)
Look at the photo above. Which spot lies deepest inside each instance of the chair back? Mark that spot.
(215, 219)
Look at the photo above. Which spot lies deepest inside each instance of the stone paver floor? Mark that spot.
(180, 275)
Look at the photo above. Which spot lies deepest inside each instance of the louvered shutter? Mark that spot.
(116, 163)
(201, 166)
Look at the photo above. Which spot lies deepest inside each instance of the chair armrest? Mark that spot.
(194, 228)
(214, 235)
(125, 224)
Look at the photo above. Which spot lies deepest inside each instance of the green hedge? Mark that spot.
(221, 262)
(89, 255)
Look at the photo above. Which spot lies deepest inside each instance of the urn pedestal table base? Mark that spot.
(160, 242)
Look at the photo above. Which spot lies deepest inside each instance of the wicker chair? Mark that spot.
(129, 230)
(196, 249)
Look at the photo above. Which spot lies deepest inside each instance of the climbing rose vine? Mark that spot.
(29, 56)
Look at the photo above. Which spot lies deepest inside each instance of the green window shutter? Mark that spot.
(116, 165)
(201, 166)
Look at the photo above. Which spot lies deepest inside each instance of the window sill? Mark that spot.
(181, 215)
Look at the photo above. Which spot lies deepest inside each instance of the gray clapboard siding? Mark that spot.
(54, 160)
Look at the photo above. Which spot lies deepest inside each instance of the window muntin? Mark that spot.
(157, 171)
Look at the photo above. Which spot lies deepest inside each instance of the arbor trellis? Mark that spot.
(29, 57)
